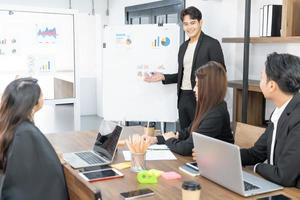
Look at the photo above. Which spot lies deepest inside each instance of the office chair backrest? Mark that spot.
(78, 188)
(246, 135)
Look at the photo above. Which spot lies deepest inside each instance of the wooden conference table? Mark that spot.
(110, 189)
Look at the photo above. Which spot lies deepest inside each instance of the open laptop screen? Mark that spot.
(105, 145)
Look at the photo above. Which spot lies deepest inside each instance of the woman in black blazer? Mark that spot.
(211, 116)
(29, 166)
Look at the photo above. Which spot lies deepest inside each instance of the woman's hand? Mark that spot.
(169, 135)
(153, 140)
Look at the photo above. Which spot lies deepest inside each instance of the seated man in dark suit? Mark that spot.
(280, 144)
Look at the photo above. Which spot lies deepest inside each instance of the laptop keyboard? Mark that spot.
(249, 186)
(90, 158)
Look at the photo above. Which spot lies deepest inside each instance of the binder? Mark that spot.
(265, 20)
(274, 20)
(261, 19)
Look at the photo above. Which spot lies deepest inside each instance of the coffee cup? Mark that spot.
(149, 129)
(191, 190)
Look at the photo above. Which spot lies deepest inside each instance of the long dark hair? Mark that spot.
(17, 103)
(212, 86)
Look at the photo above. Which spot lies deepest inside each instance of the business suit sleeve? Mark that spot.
(215, 53)
(170, 78)
(257, 153)
(182, 136)
(286, 172)
(211, 125)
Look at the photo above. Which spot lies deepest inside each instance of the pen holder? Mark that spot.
(138, 162)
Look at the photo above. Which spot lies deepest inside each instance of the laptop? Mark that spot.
(221, 162)
(103, 152)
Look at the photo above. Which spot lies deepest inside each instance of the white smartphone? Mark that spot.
(102, 174)
(193, 165)
(137, 194)
(190, 171)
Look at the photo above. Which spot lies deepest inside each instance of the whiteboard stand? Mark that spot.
(162, 127)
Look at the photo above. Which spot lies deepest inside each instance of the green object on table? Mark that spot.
(146, 176)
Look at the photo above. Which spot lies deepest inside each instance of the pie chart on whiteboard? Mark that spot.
(165, 41)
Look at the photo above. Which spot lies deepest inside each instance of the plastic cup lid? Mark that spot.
(191, 185)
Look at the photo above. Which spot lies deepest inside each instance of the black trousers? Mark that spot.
(186, 108)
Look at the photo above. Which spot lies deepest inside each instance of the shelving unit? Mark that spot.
(261, 40)
(290, 33)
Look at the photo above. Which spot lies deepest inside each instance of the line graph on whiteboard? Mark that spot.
(46, 34)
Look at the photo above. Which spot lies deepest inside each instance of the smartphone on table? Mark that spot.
(193, 165)
(275, 197)
(102, 174)
(189, 170)
(135, 194)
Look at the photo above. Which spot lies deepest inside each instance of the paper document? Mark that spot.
(153, 155)
(158, 147)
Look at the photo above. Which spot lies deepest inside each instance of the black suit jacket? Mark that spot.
(286, 168)
(215, 123)
(207, 49)
(33, 170)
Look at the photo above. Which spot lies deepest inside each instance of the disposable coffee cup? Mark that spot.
(149, 129)
(191, 190)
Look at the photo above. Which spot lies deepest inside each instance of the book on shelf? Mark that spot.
(274, 20)
(265, 20)
(261, 19)
(270, 20)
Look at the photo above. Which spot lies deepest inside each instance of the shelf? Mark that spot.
(253, 85)
(294, 39)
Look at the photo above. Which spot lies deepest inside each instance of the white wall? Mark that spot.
(84, 6)
(38, 3)
(117, 10)
(89, 51)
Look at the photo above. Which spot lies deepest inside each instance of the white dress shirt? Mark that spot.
(187, 66)
(274, 119)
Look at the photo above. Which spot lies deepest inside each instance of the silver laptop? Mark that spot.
(103, 152)
(221, 162)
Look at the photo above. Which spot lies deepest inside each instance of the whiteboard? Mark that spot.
(40, 45)
(130, 52)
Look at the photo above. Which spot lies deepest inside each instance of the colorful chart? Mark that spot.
(165, 41)
(123, 39)
(46, 35)
(48, 32)
(155, 43)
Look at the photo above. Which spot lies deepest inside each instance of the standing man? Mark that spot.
(193, 53)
